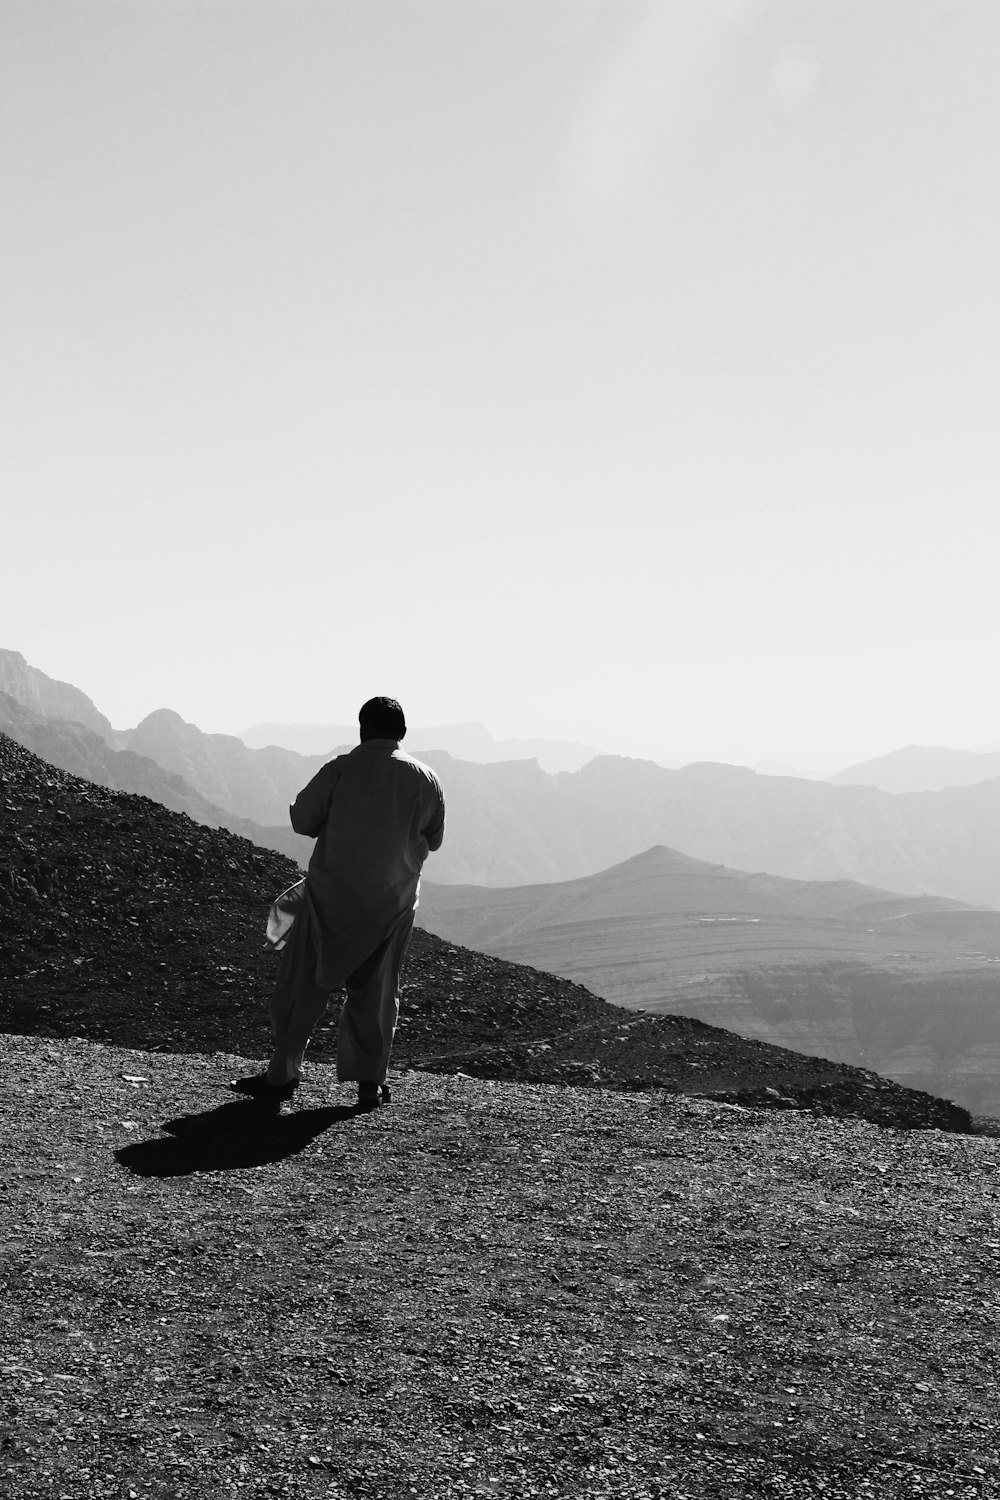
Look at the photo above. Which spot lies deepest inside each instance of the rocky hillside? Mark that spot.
(130, 924)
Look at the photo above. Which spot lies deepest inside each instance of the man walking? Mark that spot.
(375, 813)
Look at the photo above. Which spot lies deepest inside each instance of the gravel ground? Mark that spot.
(487, 1288)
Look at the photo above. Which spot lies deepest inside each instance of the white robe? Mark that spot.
(376, 813)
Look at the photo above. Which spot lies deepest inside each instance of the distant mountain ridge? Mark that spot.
(49, 698)
(471, 741)
(82, 752)
(259, 784)
(909, 986)
(511, 823)
(921, 768)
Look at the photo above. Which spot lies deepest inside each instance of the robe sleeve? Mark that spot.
(433, 829)
(311, 807)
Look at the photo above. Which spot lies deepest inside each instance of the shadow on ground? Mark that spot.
(247, 1133)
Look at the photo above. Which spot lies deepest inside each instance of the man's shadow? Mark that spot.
(246, 1133)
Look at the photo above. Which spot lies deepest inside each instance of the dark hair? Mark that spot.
(382, 719)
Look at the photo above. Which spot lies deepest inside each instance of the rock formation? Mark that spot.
(49, 698)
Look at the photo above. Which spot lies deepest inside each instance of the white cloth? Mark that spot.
(283, 912)
(376, 813)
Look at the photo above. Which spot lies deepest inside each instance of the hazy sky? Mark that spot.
(623, 372)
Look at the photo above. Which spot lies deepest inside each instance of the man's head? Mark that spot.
(381, 719)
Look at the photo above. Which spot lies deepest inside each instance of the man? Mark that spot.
(375, 814)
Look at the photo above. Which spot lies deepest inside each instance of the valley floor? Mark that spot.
(487, 1288)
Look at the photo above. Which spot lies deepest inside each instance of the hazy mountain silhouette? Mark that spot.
(470, 741)
(82, 752)
(49, 698)
(257, 784)
(783, 768)
(304, 739)
(921, 768)
(908, 986)
(511, 823)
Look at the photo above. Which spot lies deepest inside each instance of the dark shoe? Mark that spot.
(369, 1096)
(258, 1087)
(386, 1093)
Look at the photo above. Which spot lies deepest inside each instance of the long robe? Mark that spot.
(375, 813)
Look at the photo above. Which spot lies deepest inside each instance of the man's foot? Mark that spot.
(257, 1086)
(369, 1095)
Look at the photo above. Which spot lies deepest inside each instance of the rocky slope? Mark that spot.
(126, 923)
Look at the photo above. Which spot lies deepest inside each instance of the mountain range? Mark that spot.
(908, 986)
(831, 969)
(49, 698)
(914, 768)
(512, 823)
(472, 741)
(921, 768)
(73, 747)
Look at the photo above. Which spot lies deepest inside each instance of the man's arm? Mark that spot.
(309, 811)
(433, 830)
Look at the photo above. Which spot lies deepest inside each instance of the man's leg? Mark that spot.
(298, 1004)
(370, 1012)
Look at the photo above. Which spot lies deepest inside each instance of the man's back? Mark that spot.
(376, 813)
